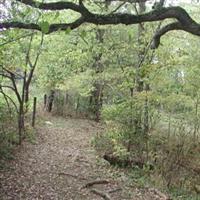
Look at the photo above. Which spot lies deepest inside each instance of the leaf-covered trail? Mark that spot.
(60, 163)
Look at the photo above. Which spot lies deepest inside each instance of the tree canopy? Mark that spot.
(183, 21)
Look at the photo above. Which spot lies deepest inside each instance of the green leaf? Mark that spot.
(130, 37)
(37, 4)
(68, 30)
(44, 25)
(83, 34)
(57, 15)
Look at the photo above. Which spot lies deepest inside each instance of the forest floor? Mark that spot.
(61, 164)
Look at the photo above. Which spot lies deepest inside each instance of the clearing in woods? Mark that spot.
(61, 162)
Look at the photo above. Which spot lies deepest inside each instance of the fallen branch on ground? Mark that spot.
(101, 193)
(89, 184)
(115, 190)
(72, 175)
(114, 160)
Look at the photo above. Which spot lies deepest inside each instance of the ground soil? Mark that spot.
(60, 162)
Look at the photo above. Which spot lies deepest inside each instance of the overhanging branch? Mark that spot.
(170, 27)
(184, 21)
(52, 27)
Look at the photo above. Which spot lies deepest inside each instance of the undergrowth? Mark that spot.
(175, 159)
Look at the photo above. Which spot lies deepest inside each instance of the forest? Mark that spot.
(99, 99)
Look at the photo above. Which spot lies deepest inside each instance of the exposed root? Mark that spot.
(89, 184)
(72, 175)
(101, 193)
(114, 190)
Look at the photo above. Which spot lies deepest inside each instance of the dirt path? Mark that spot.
(60, 163)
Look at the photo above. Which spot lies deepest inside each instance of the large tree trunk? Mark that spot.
(136, 117)
(139, 82)
(96, 99)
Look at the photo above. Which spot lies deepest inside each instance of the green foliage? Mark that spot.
(177, 103)
(68, 30)
(44, 25)
(7, 131)
(158, 124)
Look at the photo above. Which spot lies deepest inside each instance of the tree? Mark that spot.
(183, 20)
(18, 79)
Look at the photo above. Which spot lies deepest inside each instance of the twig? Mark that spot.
(16, 39)
(72, 175)
(8, 98)
(101, 193)
(115, 190)
(118, 7)
(7, 86)
(89, 184)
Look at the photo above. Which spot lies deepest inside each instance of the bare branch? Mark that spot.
(4, 75)
(15, 74)
(12, 77)
(33, 66)
(15, 88)
(16, 39)
(7, 86)
(6, 97)
(118, 7)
